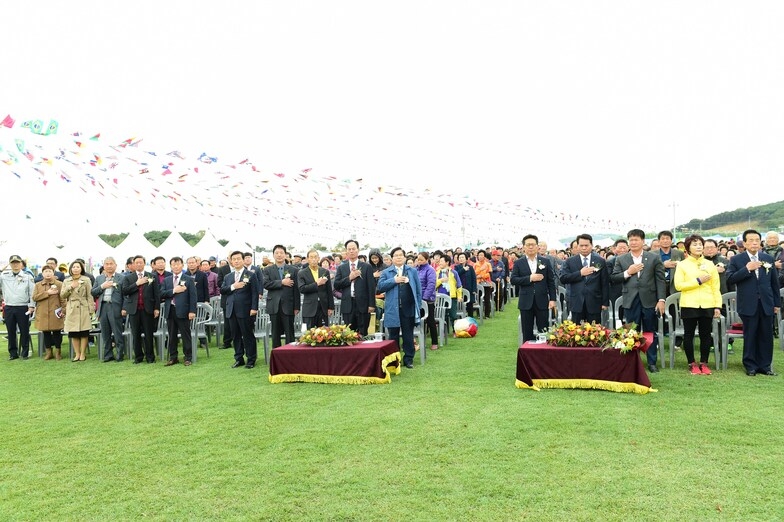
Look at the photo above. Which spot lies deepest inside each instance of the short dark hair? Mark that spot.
(156, 258)
(175, 258)
(77, 262)
(425, 255)
(447, 258)
(345, 245)
(586, 237)
(52, 259)
(460, 254)
(277, 247)
(129, 261)
(235, 253)
(709, 240)
(246, 254)
(135, 258)
(691, 239)
(635, 232)
(622, 240)
(46, 267)
(750, 231)
(530, 236)
(392, 252)
(664, 233)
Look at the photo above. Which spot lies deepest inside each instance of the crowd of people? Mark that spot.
(394, 287)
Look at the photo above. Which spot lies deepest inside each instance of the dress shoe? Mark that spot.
(152, 361)
(119, 359)
(653, 368)
(410, 366)
(751, 373)
(110, 359)
(13, 357)
(188, 363)
(172, 362)
(769, 372)
(249, 366)
(25, 357)
(238, 364)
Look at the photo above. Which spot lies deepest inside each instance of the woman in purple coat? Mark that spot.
(427, 276)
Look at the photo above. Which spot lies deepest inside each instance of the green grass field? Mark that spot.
(451, 440)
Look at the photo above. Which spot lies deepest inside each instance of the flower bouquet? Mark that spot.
(627, 338)
(571, 334)
(335, 335)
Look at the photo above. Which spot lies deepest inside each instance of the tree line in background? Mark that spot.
(762, 217)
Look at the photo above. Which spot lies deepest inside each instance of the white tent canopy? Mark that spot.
(175, 245)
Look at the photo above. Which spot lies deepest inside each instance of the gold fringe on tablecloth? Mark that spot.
(591, 384)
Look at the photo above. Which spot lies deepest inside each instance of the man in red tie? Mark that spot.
(355, 280)
(179, 295)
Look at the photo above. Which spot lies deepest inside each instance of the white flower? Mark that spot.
(766, 265)
(541, 266)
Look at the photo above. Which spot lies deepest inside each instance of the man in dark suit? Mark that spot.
(355, 280)
(247, 260)
(620, 247)
(107, 291)
(199, 279)
(51, 262)
(283, 300)
(318, 303)
(756, 281)
(223, 271)
(644, 288)
(534, 279)
(586, 272)
(179, 306)
(141, 303)
(670, 258)
(242, 304)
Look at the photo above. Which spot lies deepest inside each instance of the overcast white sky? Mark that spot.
(613, 108)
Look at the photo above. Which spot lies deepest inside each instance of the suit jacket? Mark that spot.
(314, 295)
(259, 275)
(616, 287)
(151, 293)
(539, 292)
(364, 287)
(676, 254)
(650, 285)
(184, 302)
(241, 301)
(98, 292)
(751, 290)
(201, 284)
(281, 299)
(592, 290)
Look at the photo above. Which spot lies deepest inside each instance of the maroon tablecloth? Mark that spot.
(369, 362)
(545, 366)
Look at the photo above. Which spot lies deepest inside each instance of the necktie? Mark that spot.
(585, 262)
(754, 260)
(176, 282)
(353, 267)
(280, 272)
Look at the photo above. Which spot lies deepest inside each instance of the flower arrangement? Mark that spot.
(627, 338)
(335, 335)
(766, 265)
(571, 334)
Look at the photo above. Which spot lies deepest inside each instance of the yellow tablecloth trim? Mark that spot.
(343, 379)
(591, 384)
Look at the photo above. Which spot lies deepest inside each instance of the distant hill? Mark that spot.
(763, 218)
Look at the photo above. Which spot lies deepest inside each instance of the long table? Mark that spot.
(368, 362)
(546, 366)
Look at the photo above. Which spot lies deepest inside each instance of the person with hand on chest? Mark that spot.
(179, 295)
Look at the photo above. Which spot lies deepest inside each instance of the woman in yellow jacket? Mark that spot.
(697, 279)
(448, 283)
